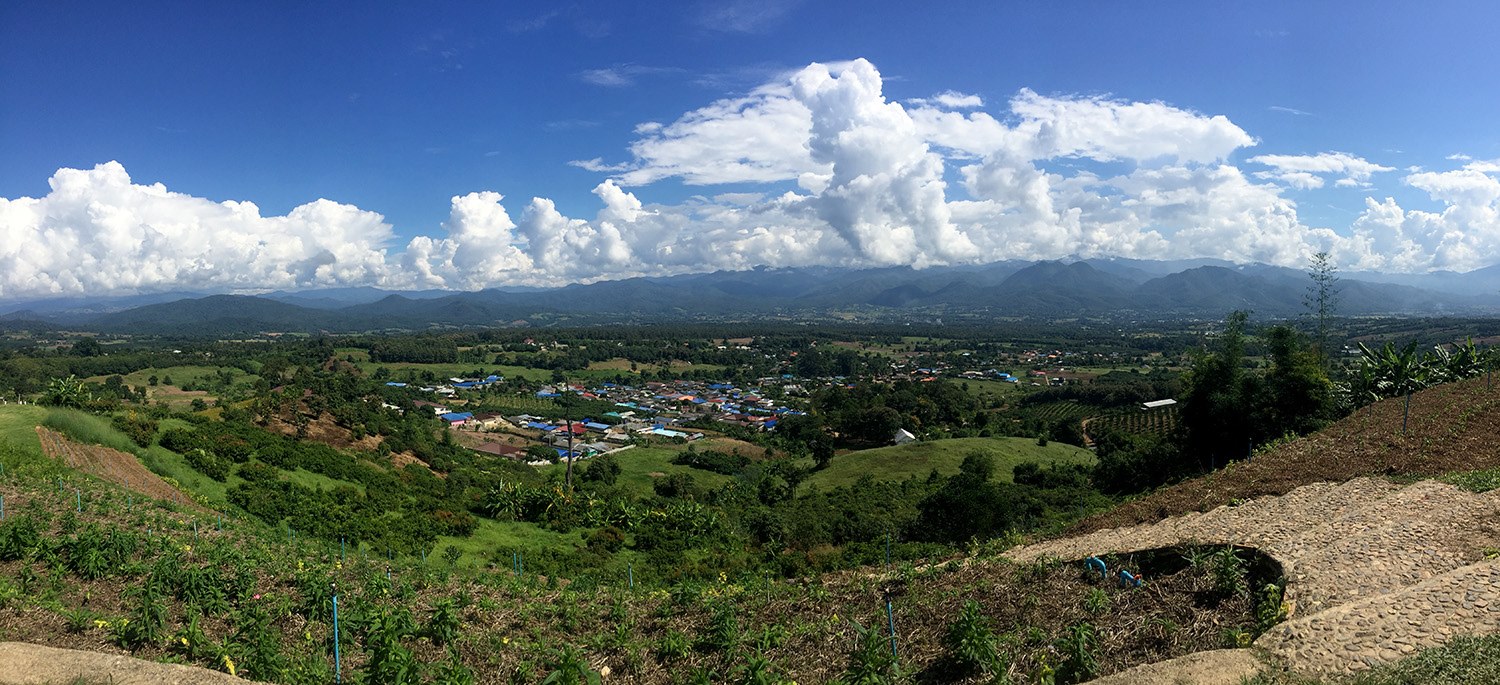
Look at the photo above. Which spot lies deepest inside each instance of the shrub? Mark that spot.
(1229, 573)
(871, 662)
(139, 429)
(970, 641)
(1079, 647)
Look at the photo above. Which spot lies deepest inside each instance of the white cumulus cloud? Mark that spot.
(1306, 172)
(822, 168)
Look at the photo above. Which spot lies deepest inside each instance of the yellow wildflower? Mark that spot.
(183, 640)
(229, 664)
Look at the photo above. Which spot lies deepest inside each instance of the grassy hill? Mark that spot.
(921, 458)
(641, 466)
(102, 572)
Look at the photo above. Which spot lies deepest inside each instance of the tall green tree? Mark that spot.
(1322, 299)
(1296, 396)
(1215, 416)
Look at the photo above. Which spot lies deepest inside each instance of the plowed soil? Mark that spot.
(112, 465)
(1451, 427)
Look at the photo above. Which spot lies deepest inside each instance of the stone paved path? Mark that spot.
(28, 664)
(1374, 571)
(1214, 667)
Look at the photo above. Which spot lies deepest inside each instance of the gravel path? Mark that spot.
(28, 664)
(1375, 571)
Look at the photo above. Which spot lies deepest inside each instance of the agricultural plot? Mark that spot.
(415, 372)
(918, 459)
(112, 465)
(1158, 421)
(641, 466)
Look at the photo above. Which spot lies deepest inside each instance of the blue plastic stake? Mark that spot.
(630, 569)
(424, 556)
(341, 548)
(219, 525)
(2, 507)
(890, 620)
(79, 497)
(338, 674)
(195, 529)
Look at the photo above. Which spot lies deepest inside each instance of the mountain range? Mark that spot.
(1094, 287)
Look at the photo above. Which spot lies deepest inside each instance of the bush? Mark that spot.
(208, 463)
(139, 429)
(713, 460)
(971, 642)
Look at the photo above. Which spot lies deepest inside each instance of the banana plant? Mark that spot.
(1391, 371)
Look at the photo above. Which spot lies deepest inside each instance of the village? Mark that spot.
(651, 411)
(676, 411)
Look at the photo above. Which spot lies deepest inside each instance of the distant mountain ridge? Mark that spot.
(1106, 287)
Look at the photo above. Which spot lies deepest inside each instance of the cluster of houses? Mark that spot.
(682, 401)
(454, 385)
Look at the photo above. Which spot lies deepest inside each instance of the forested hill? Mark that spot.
(1002, 289)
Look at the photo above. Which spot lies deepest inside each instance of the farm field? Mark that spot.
(412, 370)
(997, 389)
(921, 458)
(618, 365)
(181, 375)
(637, 466)
(493, 541)
(1136, 422)
(173, 394)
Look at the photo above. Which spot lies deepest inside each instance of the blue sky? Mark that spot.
(395, 112)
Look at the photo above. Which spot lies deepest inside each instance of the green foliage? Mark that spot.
(146, 621)
(1269, 608)
(872, 661)
(442, 628)
(1097, 601)
(140, 429)
(1229, 572)
(88, 428)
(971, 642)
(1079, 648)
(673, 646)
(722, 632)
(570, 667)
(969, 505)
(1465, 660)
(391, 663)
(712, 460)
(1483, 480)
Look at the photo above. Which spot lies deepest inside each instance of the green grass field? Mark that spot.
(88, 428)
(168, 464)
(399, 370)
(920, 458)
(493, 541)
(18, 426)
(181, 375)
(637, 465)
(998, 389)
